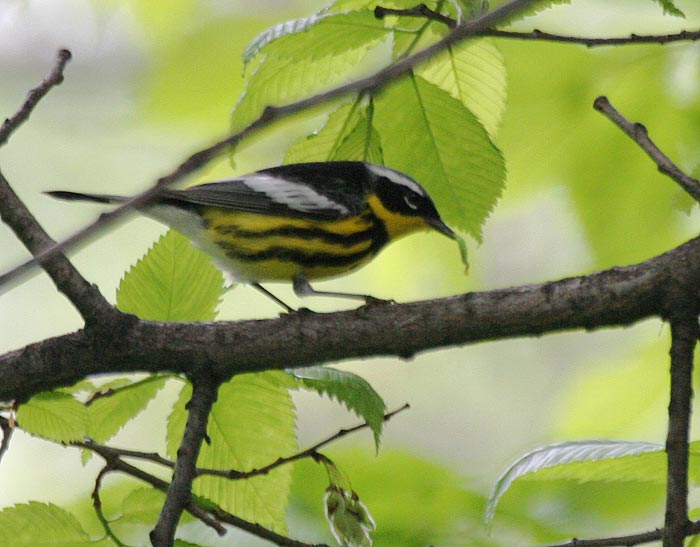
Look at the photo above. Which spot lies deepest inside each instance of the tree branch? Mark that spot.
(307, 453)
(179, 495)
(270, 115)
(115, 463)
(682, 36)
(231, 474)
(421, 10)
(85, 297)
(152, 457)
(260, 531)
(684, 336)
(638, 133)
(97, 505)
(111, 455)
(625, 541)
(219, 515)
(659, 287)
(54, 78)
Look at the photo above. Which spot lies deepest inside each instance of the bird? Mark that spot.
(293, 223)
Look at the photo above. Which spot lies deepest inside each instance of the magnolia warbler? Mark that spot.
(295, 222)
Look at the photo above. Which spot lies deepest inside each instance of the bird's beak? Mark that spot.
(441, 227)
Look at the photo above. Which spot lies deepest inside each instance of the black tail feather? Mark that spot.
(77, 196)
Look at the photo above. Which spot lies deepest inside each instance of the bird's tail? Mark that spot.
(77, 196)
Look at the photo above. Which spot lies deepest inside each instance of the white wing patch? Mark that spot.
(396, 177)
(296, 196)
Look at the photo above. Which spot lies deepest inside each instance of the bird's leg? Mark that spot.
(273, 297)
(302, 287)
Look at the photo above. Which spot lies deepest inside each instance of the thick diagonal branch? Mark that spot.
(85, 297)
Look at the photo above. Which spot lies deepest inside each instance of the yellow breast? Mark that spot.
(259, 247)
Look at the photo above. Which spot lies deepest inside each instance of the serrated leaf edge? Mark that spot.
(564, 453)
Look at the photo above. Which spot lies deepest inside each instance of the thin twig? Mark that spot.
(204, 392)
(682, 36)
(638, 133)
(421, 10)
(684, 336)
(260, 531)
(624, 541)
(54, 78)
(152, 457)
(112, 391)
(113, 457)
(307, 453)
(85, 297)
(211, 516)
(117, 464)
(97, 504)
(232, 474)
(272, 114)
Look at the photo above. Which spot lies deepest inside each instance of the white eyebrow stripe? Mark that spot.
(396, 177)
(296, 196)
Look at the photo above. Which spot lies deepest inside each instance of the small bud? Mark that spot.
(350, 520)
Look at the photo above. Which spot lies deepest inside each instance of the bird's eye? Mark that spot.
(412, 201)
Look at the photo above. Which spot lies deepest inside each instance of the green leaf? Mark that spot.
(54, 415)
(363, 143)
(432, 137)
(560, 458)
(349, 389)
(337, 478)
(474, 73)
(297, 65)
(278, 31)
(108, 414)
(357, 5)
(323, 144)
(464, 252)
(33, 524)
(683, 201)
(348, 134)
(472, 8)
(142, 506)
(251, 424)
(81, 386)
(319, 36)
(349, 518)
(532, 9)
(670, 8)
(172, 282)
